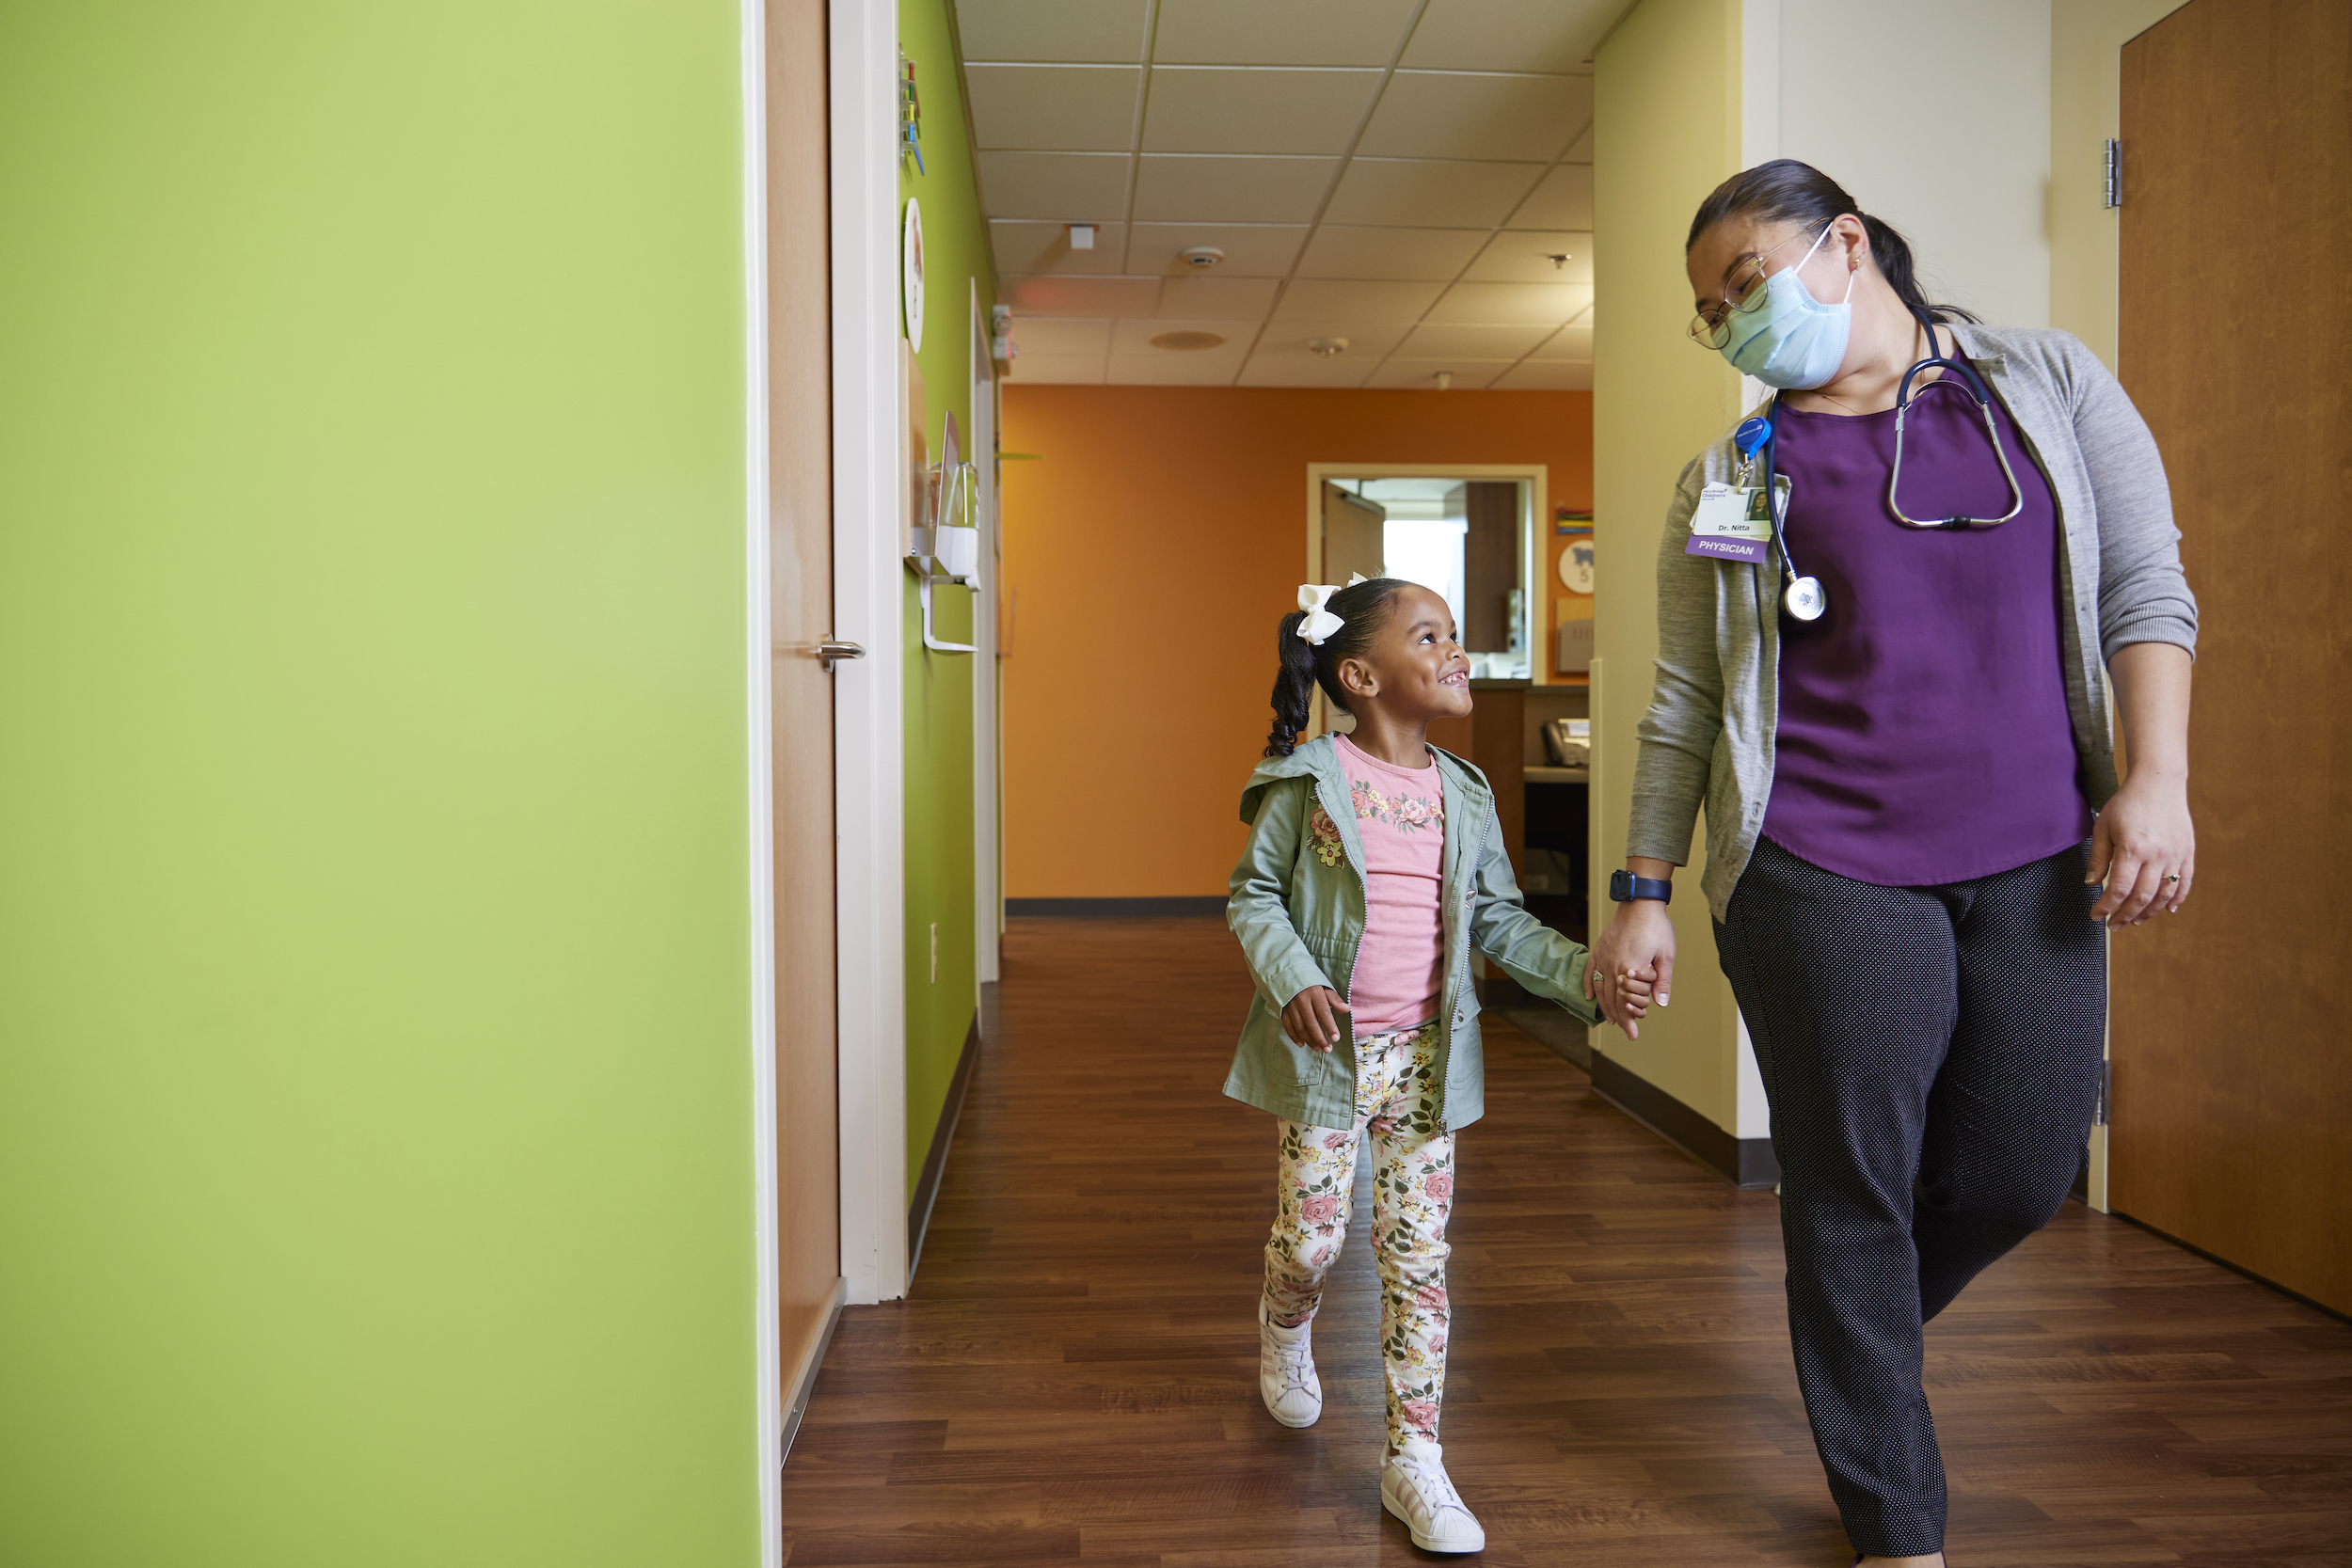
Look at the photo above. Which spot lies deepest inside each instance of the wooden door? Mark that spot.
(800, 539)
(1355, 535)
(2232, 1029)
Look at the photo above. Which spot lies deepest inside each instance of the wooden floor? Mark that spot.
(1074, 1378)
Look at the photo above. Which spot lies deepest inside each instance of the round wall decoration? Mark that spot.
(1576, 567)
(910, 275)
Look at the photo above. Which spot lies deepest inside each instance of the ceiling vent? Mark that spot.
(1187, 343)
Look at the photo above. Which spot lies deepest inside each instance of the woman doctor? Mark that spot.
(1898, 722)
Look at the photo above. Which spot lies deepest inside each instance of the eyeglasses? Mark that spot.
(1743, 293)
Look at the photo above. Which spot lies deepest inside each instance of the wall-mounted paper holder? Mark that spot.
(953, 555)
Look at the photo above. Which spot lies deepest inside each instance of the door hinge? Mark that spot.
(2111, 174)
(2106, 1095)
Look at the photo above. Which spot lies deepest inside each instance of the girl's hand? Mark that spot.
(1309, 1020)
(2143, 837)
(1633, 958)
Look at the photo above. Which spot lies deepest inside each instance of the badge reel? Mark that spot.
(1803, 599)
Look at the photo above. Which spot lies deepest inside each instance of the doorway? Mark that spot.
(2231, 1124)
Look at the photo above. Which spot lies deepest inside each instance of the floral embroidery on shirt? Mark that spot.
(1324, 834)
(1404, 813)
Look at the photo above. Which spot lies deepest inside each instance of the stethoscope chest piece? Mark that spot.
(1805, 599)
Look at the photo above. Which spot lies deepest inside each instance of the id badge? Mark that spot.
(1733, 523)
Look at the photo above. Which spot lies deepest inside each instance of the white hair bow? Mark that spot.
(1320, 622)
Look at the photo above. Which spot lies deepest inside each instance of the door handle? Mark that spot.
(830, 650)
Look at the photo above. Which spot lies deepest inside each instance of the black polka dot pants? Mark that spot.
(1931, 1057)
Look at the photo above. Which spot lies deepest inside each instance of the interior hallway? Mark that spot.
(1072, 1375)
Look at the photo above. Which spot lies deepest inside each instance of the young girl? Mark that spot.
(1375, 865)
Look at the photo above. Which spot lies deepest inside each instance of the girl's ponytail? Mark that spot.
(1294, 686)
(1300, 666)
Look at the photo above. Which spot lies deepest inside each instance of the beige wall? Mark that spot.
(1936, 116)
(2087, 37)
(1668, 131)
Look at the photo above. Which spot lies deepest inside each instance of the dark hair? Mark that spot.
(1363, 610)
(1787, 191)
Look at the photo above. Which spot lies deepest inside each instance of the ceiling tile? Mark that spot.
(1251, 250)
(1176, 187)
(1582, 150)
(1511, 34)
(1368, 340)
(1436, 254)
(1427, 193)
(1525, 256)
(1199, 110)
(1023, 246)
(1159, 367)
(1294, 32)
(1135, 337)
(1402, 303)
(1305, 370)
(1469, 376)
(1563, 201)
(1058, 368)
(1447, 340)
(1544, 304)
(1542, 375)
(1110, 30)
(1055, 108)
(1568, 343)
(1065, 187)
(1212, 298)
(1082, 297)
(1045, 337)
(1453, 115)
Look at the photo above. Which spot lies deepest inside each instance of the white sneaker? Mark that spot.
(1415, 1487)
(1286, 1371)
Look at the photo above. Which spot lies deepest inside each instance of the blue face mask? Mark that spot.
(1791, 341)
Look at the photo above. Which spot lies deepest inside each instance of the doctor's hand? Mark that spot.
(1638, 943)
(1313, 1018)
(2144, 848)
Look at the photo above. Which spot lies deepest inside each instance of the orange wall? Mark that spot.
(1148, 558)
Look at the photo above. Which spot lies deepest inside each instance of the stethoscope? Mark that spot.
(1805, 598)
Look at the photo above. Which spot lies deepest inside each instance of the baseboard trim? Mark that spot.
(805, 1385)
(1114, 909)
(935, 1163)
(1742, 1161)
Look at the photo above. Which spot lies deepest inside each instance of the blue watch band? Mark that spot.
(1623, 887)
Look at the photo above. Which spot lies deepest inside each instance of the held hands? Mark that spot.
(1311, 1018)
(2144, 848)
(1633, 959)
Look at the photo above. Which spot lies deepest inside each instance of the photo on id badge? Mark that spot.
(1757, 510)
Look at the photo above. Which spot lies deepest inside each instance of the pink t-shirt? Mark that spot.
(1400, 817)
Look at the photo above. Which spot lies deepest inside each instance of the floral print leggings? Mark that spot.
(1399, 1100)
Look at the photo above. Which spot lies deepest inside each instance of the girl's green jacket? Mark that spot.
(1299, 908)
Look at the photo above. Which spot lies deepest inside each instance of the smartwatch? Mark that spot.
(1623, 887)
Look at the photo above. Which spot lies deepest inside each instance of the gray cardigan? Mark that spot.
(1708, 734)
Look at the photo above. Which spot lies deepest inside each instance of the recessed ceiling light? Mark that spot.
(1187, 341)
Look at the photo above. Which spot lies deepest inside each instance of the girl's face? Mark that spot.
(1415, 670)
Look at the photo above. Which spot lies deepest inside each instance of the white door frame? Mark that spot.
(987, 876)
(868, 692)
(767, 1325)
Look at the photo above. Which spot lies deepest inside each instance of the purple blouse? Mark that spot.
(1924, 735)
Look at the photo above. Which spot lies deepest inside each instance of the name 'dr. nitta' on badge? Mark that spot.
(1732, 523)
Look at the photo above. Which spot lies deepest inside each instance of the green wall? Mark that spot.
(375, 1179)
(939, 803)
